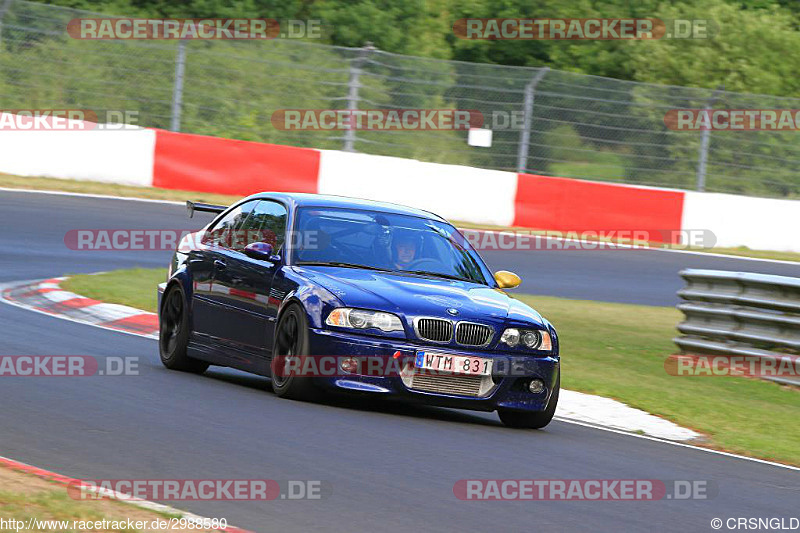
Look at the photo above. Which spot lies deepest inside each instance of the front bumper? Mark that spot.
(508, 388)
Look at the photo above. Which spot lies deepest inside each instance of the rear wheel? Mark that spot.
(532, 420)
(291, 345)
(173, 332)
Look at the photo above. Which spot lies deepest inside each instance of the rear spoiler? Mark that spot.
(210, 208)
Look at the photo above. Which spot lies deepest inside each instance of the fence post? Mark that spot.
(525, 137)
(352, 94)
(3, 11)
(177, 89)
(704, 142)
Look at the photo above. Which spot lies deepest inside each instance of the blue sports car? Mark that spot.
(331, 294)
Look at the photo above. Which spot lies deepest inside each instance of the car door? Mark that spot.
(208, 264)
(246, 283)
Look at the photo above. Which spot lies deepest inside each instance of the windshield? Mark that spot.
(383, 241)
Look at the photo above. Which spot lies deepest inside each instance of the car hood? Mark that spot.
(412, 295)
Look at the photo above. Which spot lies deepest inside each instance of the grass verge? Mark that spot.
(24, 497)
(610, 349)
(112, 189)
(135, 287)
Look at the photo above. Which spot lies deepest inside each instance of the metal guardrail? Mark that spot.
(741, 314)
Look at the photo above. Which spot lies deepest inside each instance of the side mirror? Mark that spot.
(260, 250)
(506, 279)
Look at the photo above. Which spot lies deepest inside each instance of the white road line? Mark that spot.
(681, 444)
(89, 195)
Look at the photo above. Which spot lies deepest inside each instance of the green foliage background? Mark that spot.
(755, 49)
(232, 88)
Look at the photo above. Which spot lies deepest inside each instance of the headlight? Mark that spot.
(510, 337)
(345, 317)
(532, 339)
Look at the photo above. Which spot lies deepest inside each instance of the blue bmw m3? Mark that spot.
(330, 294)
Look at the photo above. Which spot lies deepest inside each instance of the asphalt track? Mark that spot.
(390, 468)
(35, 224)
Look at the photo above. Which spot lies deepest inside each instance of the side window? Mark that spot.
(225, 232)
(267, 223)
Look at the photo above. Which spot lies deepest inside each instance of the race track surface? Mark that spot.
(390, 468)
(35, 249)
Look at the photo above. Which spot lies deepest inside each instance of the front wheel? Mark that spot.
(534, 420)
(173, 330)
(291, 345)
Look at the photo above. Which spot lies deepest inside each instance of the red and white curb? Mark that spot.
(606, 413)
(48, 297)
(123, 498)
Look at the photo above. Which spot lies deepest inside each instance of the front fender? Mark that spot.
(315, 300)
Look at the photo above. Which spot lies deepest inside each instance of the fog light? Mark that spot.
(349, 365)
(536, 386)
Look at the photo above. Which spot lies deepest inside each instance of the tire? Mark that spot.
(173, 333)
(534, 420)
(291, 341)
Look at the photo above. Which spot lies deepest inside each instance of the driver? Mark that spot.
(405, 249)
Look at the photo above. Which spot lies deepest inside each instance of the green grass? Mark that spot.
(618, 351)
(49, 505)
(24, 496)
(614, 350)
(94, 187)
(135, 287)
(572, 157)
(111, 189)
(744, 251)
(609, 170)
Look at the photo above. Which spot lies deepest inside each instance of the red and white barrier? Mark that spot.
(226, 166)
(121, 156)
(564, 204)
(208, 164)
(758, 223)
(452, 191)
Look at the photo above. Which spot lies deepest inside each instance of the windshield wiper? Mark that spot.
(437, 274)
(340, 264)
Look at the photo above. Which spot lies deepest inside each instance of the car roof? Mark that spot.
(331, 200)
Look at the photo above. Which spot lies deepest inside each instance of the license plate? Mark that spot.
(456, 364)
